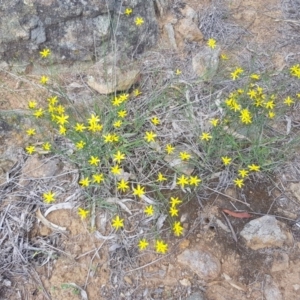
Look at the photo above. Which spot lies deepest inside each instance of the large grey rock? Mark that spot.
(74, 30)
(266, 232)
(201, 262)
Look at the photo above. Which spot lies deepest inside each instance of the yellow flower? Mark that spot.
(62, 130)
(214, 122)
(139, 21)
(60, 109)
(116, 101)
(122, 113)
(175, 201)
(170, 149)
(49, 197)
(270, 104)
(83, 213)
(31, 131)
(243, 173)
(194, 180)
(30, 149)
(98, 178)
(254, 167)
(182, 181)
(137, 92)
(178, 72)
(117, 124)
(118, 157)
(173, 211)
(93, 119)
(211, 43)
(143, 244)
(288, 101)
(226, 160)
(38, 113)
(239, 182)
(245, 116)
(236, 73)
(149, 211)
(116, 170)
(79, 145)
(295, 70)
(224, 56)
(155, 121)
(205, 136)
(271, 114)
(184, 155)
(46, 146)
(123, 185)
(32, 104)
(79, 127)
(52, 100)
(45, 52)
(161, 246)
(160, 177)
(94, 160)
(177, 228)
(117, 222)
(128, 11)
(150, 136)
(44, 79)
(62, 119)
(255, 76)
(124, 97)
(84, 182)
(138, 191)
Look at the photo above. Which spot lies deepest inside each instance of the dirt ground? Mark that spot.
(85, 265)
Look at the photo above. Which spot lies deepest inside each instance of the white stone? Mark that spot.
(201, 262)
(266, 232)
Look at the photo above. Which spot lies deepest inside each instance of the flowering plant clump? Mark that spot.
(124, 152)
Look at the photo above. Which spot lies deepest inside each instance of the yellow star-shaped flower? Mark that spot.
(83, 213)
(138, 191)
(117, 223)
(161, 246)
(150, 136)
(143, 244)
(139, 21)
(182, 181)
(49, 197)
(118, 157)
(149, 211)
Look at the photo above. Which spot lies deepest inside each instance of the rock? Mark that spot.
(205, 63)
(296, 287)
(271, 290)
(189, 30)
(108, 76)
(266, 232)
(185, 282)
(189, 13)
(171, 35)
(196, 296)
(174, 161)
(281, 262)
(295, 189)
(39, 169)
(75, 30)
(201, 262)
